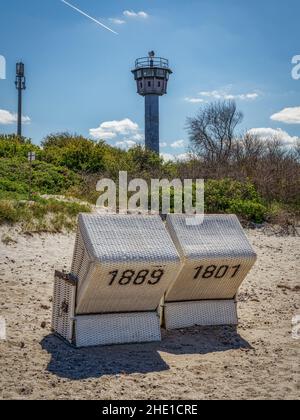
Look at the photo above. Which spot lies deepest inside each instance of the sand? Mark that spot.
(259, 360)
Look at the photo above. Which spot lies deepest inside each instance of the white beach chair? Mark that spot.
(217, 257)
(122, 267)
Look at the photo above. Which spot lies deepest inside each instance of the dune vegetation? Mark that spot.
(259, 180)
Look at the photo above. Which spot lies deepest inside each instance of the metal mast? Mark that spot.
(20, 85)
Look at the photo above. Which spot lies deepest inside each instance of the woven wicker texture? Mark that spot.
(205, 313)
(63, 308)
(123, 263)
(109, 329)
(217, 257)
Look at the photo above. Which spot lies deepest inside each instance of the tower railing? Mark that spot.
(152, 62)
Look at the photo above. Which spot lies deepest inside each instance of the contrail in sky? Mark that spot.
(90, 17)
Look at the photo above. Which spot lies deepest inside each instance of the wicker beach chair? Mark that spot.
(217, 257)
(122, 267)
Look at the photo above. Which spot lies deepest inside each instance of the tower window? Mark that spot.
(158, 84)
(149, 84)
(160, 73)
(141, 85)
(149, 73)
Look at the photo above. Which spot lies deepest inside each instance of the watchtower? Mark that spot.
(152, 75)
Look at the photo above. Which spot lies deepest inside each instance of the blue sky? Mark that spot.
(78, 74)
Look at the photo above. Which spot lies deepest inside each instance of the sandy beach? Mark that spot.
(259, 360)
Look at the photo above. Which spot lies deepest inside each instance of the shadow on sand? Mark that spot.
(76, 364)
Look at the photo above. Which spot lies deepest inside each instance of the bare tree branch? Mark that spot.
(212, 131)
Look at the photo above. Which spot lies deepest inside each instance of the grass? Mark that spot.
(41, 215)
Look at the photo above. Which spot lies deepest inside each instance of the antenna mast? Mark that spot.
(20, 85)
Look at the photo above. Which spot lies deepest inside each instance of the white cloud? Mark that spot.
(117, 21)
(163, 144)
(225, 95)
(271, 133)
(132, 14)
(126, 144)
(178, 144)
(222, 94)
(250, 96)
(102, 134)
(168, 157)
(111, 129)
(194, 100)
(7, 118)
(288, 116)
(138, 137)
(183, 156)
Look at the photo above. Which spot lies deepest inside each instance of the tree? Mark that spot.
(212, 131)
(144, 160)
(297, 150)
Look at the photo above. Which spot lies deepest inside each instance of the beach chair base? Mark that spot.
(121, 328)
(98, 329)
(203, 313)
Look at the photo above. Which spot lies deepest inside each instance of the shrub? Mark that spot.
(46, 178)
(248, 182)
(249, 210)
(13, 146)
(74, 152)
(13, 186)
(229, 196)
(219, 194)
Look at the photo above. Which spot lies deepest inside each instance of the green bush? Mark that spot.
(220, 193)
(12, 186)
(74, 152)
(17, 147)
(249, 210)
(230, 196)
(71, 165)
(50, 179)
(144, 160)
(46, 178)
